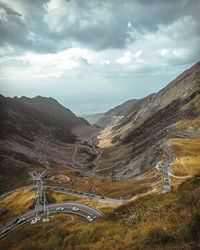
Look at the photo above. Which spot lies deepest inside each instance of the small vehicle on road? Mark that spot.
(90, 218)
(15, 220)
(21, 220)
(6, 230)
(35, 220)
(75, 209)
(59, 208)
(93, 216)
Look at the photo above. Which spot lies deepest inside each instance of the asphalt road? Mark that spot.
(84, 211)
(75, 193)
(164, 168)
(83, 194)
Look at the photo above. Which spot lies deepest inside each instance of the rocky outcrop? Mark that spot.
(27, 117)
(116, 114)
(175, 94)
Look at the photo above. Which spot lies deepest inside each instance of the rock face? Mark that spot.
(160, 110)
(116, 114)
(53, 109)
(139, 135)
(137, 111)
(37, 133)
(27, 117)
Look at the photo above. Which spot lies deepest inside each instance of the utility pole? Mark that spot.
(41, 206)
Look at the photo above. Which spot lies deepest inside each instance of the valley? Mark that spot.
(134, 163)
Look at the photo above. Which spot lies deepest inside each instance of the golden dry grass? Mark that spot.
(16, 203)
(187, 158)
(157, 221)
(189, 124)
(58, 223)
(117, 189)
(21, 200)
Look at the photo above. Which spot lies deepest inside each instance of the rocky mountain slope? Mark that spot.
(158, 138)
(35, 133)
(116, 114)
(53, 109)
(135, 143)
(137, 111)
(41, 132)
(40, 116)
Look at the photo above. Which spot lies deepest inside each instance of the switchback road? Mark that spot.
(164, 168)
(76, 193)
(82, 210)
(84, 194)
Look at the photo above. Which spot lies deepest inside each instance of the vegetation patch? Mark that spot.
(156, 221)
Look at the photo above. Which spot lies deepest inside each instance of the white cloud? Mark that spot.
(137, 54)
(52, 65)
(163, 52)
(126, 58)
(54, 4)
(129, 25)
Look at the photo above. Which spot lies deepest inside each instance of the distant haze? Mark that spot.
(93, 55)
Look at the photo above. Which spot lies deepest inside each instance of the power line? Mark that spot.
(41, 205)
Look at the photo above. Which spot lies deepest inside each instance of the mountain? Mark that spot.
(135, 143)
(149, 159)
(116, 114)
(34, 133)
(40, 115)
(138, 110)
(54, 110)
(163, 109)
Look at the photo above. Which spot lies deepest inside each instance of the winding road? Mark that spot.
(164, 168)
(84, 194)
(74, 192)
(84, 210)
(88, 143)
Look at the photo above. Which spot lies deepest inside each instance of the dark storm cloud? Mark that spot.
(106, 22)
(25, 33)
(12, 27)
(8, 10)
(99, 24)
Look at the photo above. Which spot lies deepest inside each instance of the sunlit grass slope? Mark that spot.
(15, 204)
(187, 156)
(157, 221)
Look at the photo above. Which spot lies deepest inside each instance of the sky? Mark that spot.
(92, 55)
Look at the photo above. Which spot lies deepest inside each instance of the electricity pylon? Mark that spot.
(41, 206)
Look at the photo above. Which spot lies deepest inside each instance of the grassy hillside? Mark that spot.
(14, 173)
(169, 221)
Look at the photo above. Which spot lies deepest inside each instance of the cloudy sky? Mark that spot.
(94, 54)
